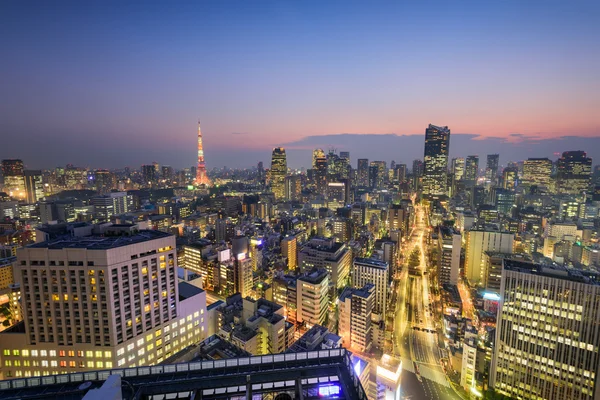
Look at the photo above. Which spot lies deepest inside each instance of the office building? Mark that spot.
(547, 335)
(574, 173)
(377, 174)
(278, 172)
(100, 302)
(491, 169)
(504, 200)
(289, 250)
(6, 272)
(368, 270)
(14, 180)
(510, 177)
(319, 171)
(362, 171)
(435, 174)
(293, 187)
(313, 298)
(471, 170)
(34, 187)
(335, 258)
(115, 203)
(355, 309)
(449, 244)
(480, 239)
(285, 293)
(149, 175)
(537, 172)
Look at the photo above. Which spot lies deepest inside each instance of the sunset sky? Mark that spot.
(105, 84)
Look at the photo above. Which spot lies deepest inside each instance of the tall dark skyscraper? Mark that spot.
(491, 170)
(149, 174)
(278, 172)
(14, 180)
(260, 169)
(437, 146)
(33, 185)
(319, 172)
(574, 173)
(362, 171)
(471, 170)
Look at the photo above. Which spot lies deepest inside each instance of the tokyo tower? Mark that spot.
(201, 176)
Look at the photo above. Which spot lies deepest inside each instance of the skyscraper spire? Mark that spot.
(201, 176)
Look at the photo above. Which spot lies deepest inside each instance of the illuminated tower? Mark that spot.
(437, 146)
(278, 172)
(201, 176)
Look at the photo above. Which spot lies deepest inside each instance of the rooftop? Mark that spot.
(371, 262)
(99, 242)
(553, 271)
(187, 290)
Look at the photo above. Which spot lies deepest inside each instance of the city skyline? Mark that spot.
(111, 85)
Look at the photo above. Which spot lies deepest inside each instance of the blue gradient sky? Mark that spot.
(111, 84)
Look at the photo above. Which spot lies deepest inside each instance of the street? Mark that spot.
(415, 333)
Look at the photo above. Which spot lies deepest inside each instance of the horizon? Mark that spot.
(98, 84)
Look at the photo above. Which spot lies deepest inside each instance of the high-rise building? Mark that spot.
(34, 187)
(449, 244)
(458, 168)
(491, 169)
(355, 310)
(574, 173)
(289, 250)
(149, 175)
(319, 171)
(362, 172)
(293, 187)
(201, 175)
(104, 181)
(278, 172)
(260, 169)
(377, 174)
(537, 172)
(115, 203)
(14, 180)
(510, 176)
(471, 170)
(335, 258)
(401, 173)
(101, 302)
(313, 298)
(547, 334)
(437, 146)
(368, 270)
(417, 174)
(480, 239)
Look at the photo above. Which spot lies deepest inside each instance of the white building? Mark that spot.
(313, 298)
(479, 240)
(368, 270)
(100, 302)
(355, 309)
(112, 204)
(548, 334)
(449, 245)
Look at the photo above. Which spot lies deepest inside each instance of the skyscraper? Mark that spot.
(471, 170)
(201, 175)
(14, 180)
(363, 172)
(376, 272)
(33, 185)
(509, 177)
(320, 171)
(437, 146)
(574, 172)
(278, 172)
(547, 334)
(491, 170)
(537, 172)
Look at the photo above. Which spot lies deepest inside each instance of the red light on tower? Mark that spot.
(201, 176)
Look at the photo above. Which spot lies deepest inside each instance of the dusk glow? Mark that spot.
(80, 76)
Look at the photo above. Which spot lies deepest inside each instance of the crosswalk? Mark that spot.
(426, 371)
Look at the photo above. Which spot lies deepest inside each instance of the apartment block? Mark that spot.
(355, 311)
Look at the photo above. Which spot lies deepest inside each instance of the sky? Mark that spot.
(113, 84)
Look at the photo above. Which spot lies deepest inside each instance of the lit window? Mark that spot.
(89, 354)
(52, 353)
(99, 364)
(149, 338)
(109, 364)
(71, 353)
(54, 363)
(16, 352)
(6, 352)
(90, 364)
(98, 354)
(43, 353)
(62, 353)
(25, 353)
(107, 354)
(140, 342)
(130, 346)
